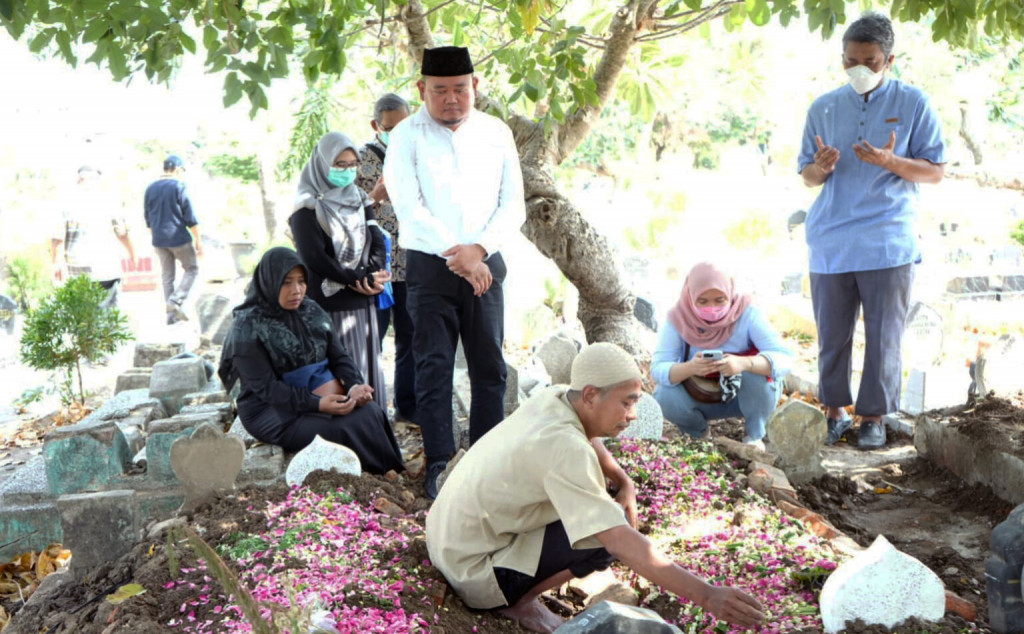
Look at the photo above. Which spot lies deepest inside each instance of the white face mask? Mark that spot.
(862, 79)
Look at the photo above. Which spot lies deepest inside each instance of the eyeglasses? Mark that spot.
(346, 166)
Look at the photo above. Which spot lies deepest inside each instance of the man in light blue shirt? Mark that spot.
(869, 143)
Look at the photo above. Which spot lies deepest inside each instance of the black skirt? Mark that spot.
(365, 430)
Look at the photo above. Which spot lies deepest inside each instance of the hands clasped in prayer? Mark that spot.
(467, 261)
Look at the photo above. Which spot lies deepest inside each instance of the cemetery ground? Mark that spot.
(354, 546)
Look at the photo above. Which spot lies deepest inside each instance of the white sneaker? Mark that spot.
(758, 444)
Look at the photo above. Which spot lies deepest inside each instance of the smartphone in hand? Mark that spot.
(714, 355)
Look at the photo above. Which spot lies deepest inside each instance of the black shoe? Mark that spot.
(434, 471)
(836, 428)
(871, 435)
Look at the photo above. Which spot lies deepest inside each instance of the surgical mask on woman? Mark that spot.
(712, 314)
(341, 177)
(862, 79)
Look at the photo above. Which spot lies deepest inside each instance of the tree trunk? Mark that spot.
(559, 231)
(967, 134)
(269, 214)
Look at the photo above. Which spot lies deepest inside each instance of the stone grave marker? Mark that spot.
(922, 338)
(174, 379)
(149, 354)
(557, 353)
(613, 618)
(88, 456)
(322, 454)
(797, 431)
(881, 586)
(1000, 368)
(207, 463)
(644, 312)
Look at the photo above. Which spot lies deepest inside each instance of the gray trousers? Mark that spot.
(837, 299)
(186, 254)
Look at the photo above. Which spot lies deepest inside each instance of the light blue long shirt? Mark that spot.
(752, 330)
(863, 218)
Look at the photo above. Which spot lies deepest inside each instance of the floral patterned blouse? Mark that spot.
(371, 168)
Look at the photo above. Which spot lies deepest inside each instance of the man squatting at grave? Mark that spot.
(526, 509)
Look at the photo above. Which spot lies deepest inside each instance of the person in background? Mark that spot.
(868, 144)
(298, 382)
(172, 222)
(336, 234)
(527, 508)
(91, 236)
(388, 112)
(747, 359)
(454, 178)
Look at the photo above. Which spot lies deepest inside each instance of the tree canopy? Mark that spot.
(550, 67)
(544, 51)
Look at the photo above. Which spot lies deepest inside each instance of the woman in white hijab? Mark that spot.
(336, 234)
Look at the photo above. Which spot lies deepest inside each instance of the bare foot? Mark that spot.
(534, 616)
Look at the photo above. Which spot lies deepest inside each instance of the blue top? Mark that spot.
(752, 331)
(309, 376)
(864, 215)
(168, 211)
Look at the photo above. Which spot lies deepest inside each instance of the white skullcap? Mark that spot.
(602, 365)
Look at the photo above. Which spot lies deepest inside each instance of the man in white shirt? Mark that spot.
(455, 182)
(91, 235)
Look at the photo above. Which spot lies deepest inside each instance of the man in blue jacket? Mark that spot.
(172, 221)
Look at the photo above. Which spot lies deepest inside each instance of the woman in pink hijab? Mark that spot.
(718, 357)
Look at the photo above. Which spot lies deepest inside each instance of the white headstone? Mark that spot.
(922, 338)
(649, 421)
(797, 431)
(1000, 368)
(322, 454)
(881, 586)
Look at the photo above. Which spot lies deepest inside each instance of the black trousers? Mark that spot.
(443, 308)
(556, 555)
(404, 395)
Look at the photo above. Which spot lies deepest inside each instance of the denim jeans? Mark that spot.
(755, 403)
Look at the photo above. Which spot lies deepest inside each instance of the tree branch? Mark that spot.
(713, 12)
(416, 25)
(622, 35)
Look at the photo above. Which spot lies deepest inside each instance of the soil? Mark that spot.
(925, 511)
(922, 509)
(993, 421)
(79, 607)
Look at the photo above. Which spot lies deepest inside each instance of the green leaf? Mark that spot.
(693, 5)
(124, 593)
(210, 36)
(40, 41)
(116, 62)
(759, 12)
(232, 89)
(187, 42)
(7, 9)
(64, 44)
